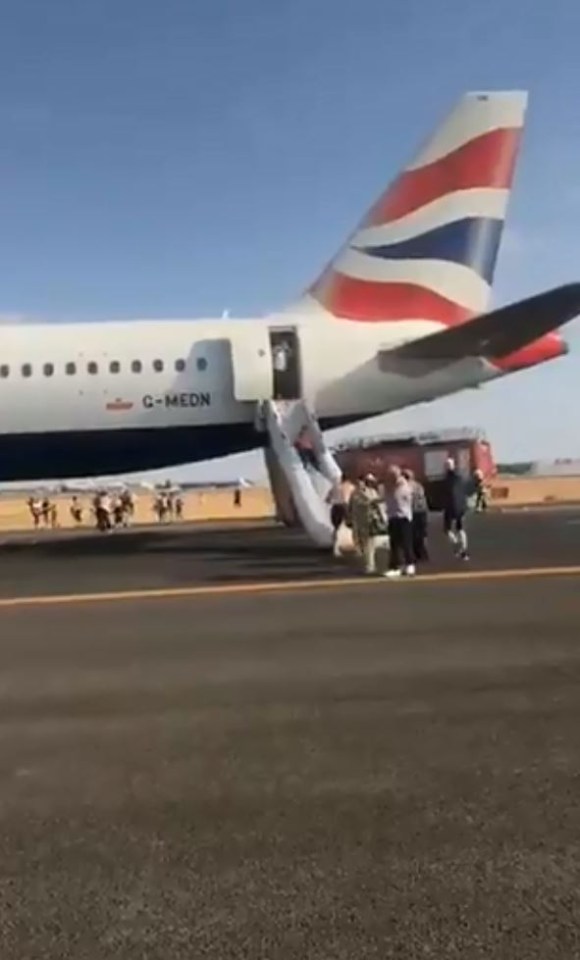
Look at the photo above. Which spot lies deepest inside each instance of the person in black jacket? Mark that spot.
(455, 508)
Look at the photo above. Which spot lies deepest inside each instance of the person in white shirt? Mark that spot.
(399, 503)
(280, 355)
(338, 499)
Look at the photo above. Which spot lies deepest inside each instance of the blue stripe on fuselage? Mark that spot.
(59, 456)
(473, 242)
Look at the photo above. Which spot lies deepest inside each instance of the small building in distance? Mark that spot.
(563, 467)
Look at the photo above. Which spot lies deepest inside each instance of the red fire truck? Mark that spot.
(424, 453)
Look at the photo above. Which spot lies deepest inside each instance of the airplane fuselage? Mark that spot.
(88, 399)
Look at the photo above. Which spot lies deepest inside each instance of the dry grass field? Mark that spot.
(199, 505)
(257, 503)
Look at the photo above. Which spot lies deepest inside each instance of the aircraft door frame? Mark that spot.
(286, 360)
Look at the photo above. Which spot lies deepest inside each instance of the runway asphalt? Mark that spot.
(185, 555)
(350, 771)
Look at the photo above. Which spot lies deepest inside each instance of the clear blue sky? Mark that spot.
(175, 158)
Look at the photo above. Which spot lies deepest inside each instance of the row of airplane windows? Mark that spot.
(70, 369)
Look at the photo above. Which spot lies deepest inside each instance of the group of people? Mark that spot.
(168, 505)
(395, 514)
(110, 510)
(43, 511)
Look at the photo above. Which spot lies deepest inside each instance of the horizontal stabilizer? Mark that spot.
(492, 336)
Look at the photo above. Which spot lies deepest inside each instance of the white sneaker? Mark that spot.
(410, 570)
(392, 574)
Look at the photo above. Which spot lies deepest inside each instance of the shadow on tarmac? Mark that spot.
(187, 554)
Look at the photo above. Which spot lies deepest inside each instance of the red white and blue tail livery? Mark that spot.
(427, 249)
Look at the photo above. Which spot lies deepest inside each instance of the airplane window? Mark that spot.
(180, 365)
(202, 364)
(70, 369)
(26, 370)
(48, 369)
(158, 366)
(4, 371)
(92, 367)
(136, 366)
(114, 366)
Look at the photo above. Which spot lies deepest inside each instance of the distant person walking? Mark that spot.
(161, 506)
(45, 511)
(103, 511)
(118, 510)
(128, 501)
(76, 511)
(35, 507)
(454, 509)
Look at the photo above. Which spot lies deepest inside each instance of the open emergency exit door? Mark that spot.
(286, 363)
(266, 363)
(253, 378)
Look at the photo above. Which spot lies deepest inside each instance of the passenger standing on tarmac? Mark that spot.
(367, 520)
(420, 517)
(454, 509)
(399, 501)
(354, 512)
(480, 491)
(338, 498)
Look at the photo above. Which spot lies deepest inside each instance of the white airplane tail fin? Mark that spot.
(427, 249)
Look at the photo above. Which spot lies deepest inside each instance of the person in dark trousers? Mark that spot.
(398, 498)
(337, 499)
(454, 509)
(45, 511)
(479, 490)
(76, 511)
(365, 514)
(420, 515)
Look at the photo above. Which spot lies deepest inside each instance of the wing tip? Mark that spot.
(566, 296)
(517, 96)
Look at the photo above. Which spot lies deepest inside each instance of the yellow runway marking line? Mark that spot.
(281, 586)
